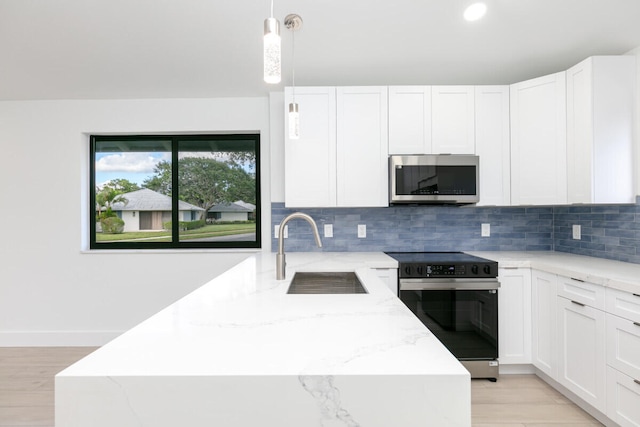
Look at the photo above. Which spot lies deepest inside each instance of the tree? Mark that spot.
(105, 198)
(205, 182)
(161, 181)
(122, 185)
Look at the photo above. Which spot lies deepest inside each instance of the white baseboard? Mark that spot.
(525, 368)
(57, 338)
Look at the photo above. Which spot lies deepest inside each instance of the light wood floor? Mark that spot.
(26, 393)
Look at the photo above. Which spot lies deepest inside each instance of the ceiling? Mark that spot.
(92, 49)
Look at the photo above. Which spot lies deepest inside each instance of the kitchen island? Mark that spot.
(240, 351)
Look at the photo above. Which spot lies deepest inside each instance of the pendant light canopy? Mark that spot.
(272, 57)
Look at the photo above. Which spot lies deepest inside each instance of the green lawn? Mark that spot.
(213, 230)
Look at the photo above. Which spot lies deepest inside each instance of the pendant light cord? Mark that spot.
(271, 8)
(293, 64)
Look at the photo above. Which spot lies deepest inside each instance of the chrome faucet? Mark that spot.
(280, 257)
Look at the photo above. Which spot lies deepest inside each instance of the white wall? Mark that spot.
(51, 291)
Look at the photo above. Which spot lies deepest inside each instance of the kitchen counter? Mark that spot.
(239, 351)
(608, 273)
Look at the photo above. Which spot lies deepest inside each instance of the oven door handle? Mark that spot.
(447, 284)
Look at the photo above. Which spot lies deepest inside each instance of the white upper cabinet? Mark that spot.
(409, 119)
(341, 157)
(538, 141)
(362, 146)
(310, 162)
(492, 144)
(600, 114)
(453, 119)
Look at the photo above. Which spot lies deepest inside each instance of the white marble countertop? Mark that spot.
(608, 273)
(243, 323)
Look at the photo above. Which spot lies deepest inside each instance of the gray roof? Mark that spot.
(230, 207)
(245, 204)
(149, 200)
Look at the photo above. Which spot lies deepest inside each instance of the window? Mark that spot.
(175, 191)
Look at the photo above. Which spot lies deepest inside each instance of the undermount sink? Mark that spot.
(326, 283)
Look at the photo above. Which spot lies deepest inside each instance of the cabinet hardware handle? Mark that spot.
(509, 268)
(577, 280)
(637, 381)
(577, 303)
(636, 323)
(636, 295)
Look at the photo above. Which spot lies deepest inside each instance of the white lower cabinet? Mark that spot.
(623, 398)
(544, 323)
(514, 311)
(390, 277)
(582, 361)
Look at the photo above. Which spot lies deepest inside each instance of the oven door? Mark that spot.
(461, 313)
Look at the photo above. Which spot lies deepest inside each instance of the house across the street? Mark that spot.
(148, 210)
(236, 211)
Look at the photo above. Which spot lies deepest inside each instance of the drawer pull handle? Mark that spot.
(636, 323)
(509, 268)
(577, 303)
(637, 381)
(636, 295)
(577, 280)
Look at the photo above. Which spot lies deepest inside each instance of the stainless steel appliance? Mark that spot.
(435, 179)
(456, 296)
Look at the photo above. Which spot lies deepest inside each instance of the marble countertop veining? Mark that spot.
(619, 275)
(244, 323)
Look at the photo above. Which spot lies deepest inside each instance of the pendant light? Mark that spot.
(293, 22)
(272, 59)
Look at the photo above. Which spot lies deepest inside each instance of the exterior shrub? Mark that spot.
(186, 225)
(112, 225)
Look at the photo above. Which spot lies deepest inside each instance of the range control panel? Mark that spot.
(453, 270)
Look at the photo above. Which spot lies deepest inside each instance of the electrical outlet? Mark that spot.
(576, 231)
(362, 231)
(276, 231)
(328, 230)
(485, 230)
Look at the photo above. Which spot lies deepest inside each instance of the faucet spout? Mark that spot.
(280, 256)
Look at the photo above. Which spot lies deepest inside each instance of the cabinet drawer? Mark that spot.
(580, 291)
(623, 304)
(623, 345)
(623, 398)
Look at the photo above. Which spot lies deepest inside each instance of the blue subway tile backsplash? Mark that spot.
(607, 231)
(421, 228)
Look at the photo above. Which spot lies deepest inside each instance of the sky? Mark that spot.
(133, 166)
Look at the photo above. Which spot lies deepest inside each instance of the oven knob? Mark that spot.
(474, 269)
(407, 271)
(419, 270)
(486, 269)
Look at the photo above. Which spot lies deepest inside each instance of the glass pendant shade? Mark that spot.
(294, 121)
(272, 57)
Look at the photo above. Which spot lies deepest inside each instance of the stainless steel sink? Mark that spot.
(326, 283)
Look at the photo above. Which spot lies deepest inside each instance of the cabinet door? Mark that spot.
(600, 120)
(310, 162)
(623, 398)
(390, 277)
(580, 133)
(544, 326)
(409, 119)
(623, 345)
(493, 145)
(514, 316)
(453, 119)
(362, 146)
(538, 141)
(582, 367)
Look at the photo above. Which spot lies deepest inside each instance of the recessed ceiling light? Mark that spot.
(475, 11)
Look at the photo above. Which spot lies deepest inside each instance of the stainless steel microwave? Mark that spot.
(434, 178)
